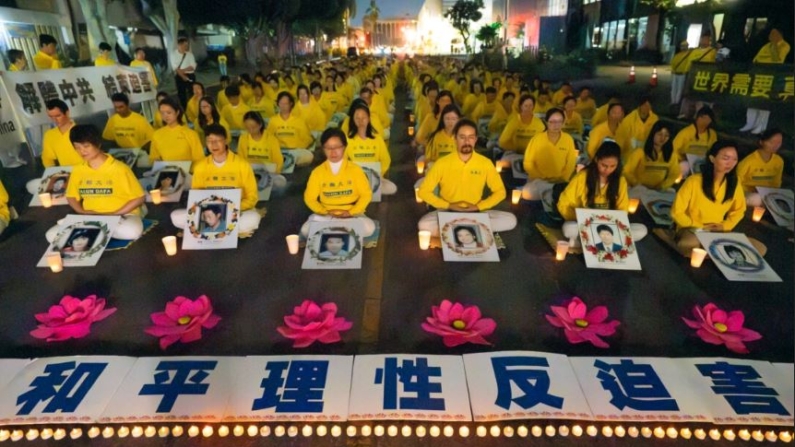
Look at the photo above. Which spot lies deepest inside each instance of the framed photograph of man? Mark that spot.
(607, 240)
(170, 177)
(780, 203)
(289, 161)
(54, 181)
(373, 173)
(658, 205)
(212, 219)
(126, 156)
(467, 237)
(82, 240)
(736, 257)
(334, 245)
(263, 174)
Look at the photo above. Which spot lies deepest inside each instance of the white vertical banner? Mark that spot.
(11, 130)
(523, 385)
(639, 389)
(413, 387)
(10, 368)
(174, 389)
(740, 391)
(291, 388)
(71, 390)
(85, 90)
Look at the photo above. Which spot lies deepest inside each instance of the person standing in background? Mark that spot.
(184, 64)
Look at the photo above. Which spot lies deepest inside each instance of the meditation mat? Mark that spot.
(368, 242)
(667, 236)
(553, 235)
(262, 212)
(121, 244)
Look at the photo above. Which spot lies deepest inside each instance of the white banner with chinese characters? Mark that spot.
(62, 390)
(740, 392)
(11, 131)
(523, 385)
(291, 388)
(413, 387)
(10, 368)
(639, 389)
(86, 90)
(174, 389)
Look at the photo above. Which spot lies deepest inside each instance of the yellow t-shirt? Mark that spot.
(636, 129)
(222, 58)
(56, 147)
(462, 182)
(101, 61)
(292, 133)
(471, 102)
(148, 66)
(692, 209)
(687, 142)
(500, 119)
(5, 213)
(548, 161)
(753, 171)
(44, 61)
(234, 173)
(106, 189)
(369, 150)
(176, 143)
(601, 132)
(234, 115)
(133, 131)
(313, 115)
(377, 126)
(427, 127)
(517, 133)
(347, 190)
(192, 109)
(484, 110)
(576, 196)
(679, 63)
(573, 124)
(266, 150)
(221, 100)
(586, 108)
(440, 145)
(599, 115)
(265, 106)
(655, 174)
(766, 55)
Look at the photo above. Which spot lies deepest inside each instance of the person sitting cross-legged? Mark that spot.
(461, 178)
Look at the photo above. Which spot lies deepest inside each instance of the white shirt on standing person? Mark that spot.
(188, 64)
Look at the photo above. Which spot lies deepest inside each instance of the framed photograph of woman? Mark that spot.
(736, 257)
(334, 245)
(780, 203)
(262, 173)
(467, 237)
(54, 181)
(82, 240)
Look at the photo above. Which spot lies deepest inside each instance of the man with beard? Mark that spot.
(461, 179)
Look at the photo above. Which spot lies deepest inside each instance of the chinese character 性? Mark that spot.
(301, 391)
(534, 383)
(63, 384)
(415, 378)
(634, 386)
(186, 378)
(742, 389)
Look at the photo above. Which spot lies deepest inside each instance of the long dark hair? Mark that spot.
(668, 147)
(214, 112)
(708, 173)
(257, 118)
(440, 127)
(704, 111)
(608, 149)
(442, 94)
(353, 130)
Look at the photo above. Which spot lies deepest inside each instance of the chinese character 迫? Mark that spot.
(63, 389)
(742, 389)
(183, 380)
(302, 389)
(415, 378)
(534, 383)
(635, 386)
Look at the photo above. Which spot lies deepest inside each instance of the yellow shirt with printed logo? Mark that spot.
(517, 133)
(106, 189)
(655, 174)
(313, 115)
(192, 109)
(129, 132)
(292, 133)
(56, 147)
(265, 106)
(176, 143)
(44, 61)
(548, 161)
(440, 145)
(692, 209)
(753, 171)
(573, 124)
(234, 115)
(637, 130)
(266, 150)
(148, 66)
(462, 182)
(576, 196)
(347, 190)
(687, 142)
(235, 173)
(369, 150)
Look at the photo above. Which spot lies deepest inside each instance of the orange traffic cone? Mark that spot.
(631, 79)
(653, 80)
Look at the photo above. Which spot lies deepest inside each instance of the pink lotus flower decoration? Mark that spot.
(459, 324)
(580, 326)
(71, 318)
(311, 322)
(717, 327)
(183, 320)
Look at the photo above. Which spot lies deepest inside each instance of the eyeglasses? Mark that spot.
(332, 148)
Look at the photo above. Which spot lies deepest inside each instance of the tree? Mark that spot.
(95, 13)
(461, 14)
(164, 15)
(488, 34)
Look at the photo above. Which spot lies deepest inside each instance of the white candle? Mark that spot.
(156, 197)
(170, 244)
(758, 213)
(417, 195)
(561, 249)
(420, 166)
(425, 239)
(55, 262)
(697, 257)
(46, 199)
(292, 243)
(633, 205)
(516, 196)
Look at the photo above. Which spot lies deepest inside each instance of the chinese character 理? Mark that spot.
(740, 84)
(183, 380)
(300, 392)
(742, 389)
(415, 378)
(634, 386)
(64, 389)
(534, 383)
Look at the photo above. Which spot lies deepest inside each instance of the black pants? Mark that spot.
(185, 88)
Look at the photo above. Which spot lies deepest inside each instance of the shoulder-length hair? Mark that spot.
(608, 149)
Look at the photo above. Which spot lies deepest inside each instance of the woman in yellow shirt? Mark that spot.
(260, 103)
(550, 158)
(174, 141)
(208, 114)
(365, 145)
(441, 141)
(656, 166)
(431, 121)
(572, 123)
(599, 186)
(608, 129)
(762, 167)
(259, 146)
(192, 108)
(521, 128)
(696, 138)
(292, 131)
(586, 106)
(475, 97)
(710, 201)
(310, 110)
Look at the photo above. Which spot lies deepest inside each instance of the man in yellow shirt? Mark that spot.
(222, 60)
(5, 213)
(679, 67)
(461, 179)
(102, 185)
(638, 123)
(774, 52)
(57, 149)
(223, 169)
(338, 188)
(127, 128)
(104, 59)
(234, 112)
(46, 58)
(17, 59)
(140, 61)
